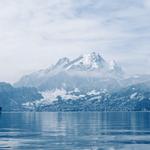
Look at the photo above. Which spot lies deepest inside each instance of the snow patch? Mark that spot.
(133, 95)
(93, 92)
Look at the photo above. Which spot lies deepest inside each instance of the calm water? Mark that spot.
(75, 131)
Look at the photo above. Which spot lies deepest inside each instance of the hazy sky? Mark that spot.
(35, 33)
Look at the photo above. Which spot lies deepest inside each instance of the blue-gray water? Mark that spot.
(75, 131)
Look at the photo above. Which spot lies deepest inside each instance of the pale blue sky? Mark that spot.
(35, 33)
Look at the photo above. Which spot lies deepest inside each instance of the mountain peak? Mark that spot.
(88, 65)
(113, 64)
(87, 62)
(93, 59)
(114, 67)
(92, 55)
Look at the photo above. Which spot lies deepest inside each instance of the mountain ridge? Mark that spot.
(91, 66)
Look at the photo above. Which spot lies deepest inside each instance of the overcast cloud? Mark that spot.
(35, 33)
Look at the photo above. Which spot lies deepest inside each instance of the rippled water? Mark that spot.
(75, 131)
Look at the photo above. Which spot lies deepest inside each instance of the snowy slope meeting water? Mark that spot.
(87, 83)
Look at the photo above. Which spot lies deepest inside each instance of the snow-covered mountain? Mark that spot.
(88, 62)
(132, 98)
(89, 69)
(87, 83)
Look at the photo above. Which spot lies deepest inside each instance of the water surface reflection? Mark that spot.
(75, 130)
